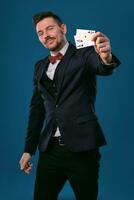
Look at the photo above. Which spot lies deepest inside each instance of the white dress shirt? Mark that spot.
(50, 73)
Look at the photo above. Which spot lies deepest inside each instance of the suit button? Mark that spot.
(56, 106)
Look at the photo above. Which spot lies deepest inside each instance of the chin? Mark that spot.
(53, 48)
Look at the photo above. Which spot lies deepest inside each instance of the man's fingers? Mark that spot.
(97, 35)
(103, 47)
(24, 162)
(101, 40)
(105, 50)
(27, 171)
(28, 168)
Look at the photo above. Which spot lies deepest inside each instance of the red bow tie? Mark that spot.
(53, 59)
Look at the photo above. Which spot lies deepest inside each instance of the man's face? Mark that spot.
(51, 34)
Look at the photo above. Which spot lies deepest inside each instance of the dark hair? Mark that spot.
(42, 15)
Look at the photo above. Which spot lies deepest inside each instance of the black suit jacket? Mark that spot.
(73, 108)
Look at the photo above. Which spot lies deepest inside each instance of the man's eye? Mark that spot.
(40, 34)
(50, 28)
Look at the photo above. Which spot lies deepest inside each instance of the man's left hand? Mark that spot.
(102, 47)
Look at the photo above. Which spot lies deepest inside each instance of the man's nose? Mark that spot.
(45, 35)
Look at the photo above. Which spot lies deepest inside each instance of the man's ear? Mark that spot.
(64, 28)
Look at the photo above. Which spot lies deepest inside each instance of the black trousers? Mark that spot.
(58, 164)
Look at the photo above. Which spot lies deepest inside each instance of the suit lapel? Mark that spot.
(62, 68)
(63, 65)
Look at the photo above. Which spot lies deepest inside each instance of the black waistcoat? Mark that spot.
(51, 87)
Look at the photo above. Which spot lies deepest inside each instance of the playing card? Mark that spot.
(83, 38)
(79, 31)
(82, 42)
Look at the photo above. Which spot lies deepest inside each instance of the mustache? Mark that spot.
(49, 38)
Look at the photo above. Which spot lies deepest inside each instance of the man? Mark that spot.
(62, 110)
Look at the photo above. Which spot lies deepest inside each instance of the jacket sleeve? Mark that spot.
(36, 117)
(94, 63)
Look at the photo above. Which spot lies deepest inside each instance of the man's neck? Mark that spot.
(58, 49)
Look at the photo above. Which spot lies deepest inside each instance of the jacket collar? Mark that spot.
(62, 68)
(63, 64)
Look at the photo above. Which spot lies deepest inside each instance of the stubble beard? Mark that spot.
(57, 47)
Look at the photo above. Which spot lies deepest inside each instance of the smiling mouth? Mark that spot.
(49, 41)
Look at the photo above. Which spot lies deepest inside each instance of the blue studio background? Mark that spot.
(20, 49)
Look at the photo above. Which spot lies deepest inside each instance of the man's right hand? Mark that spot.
(25, 164)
